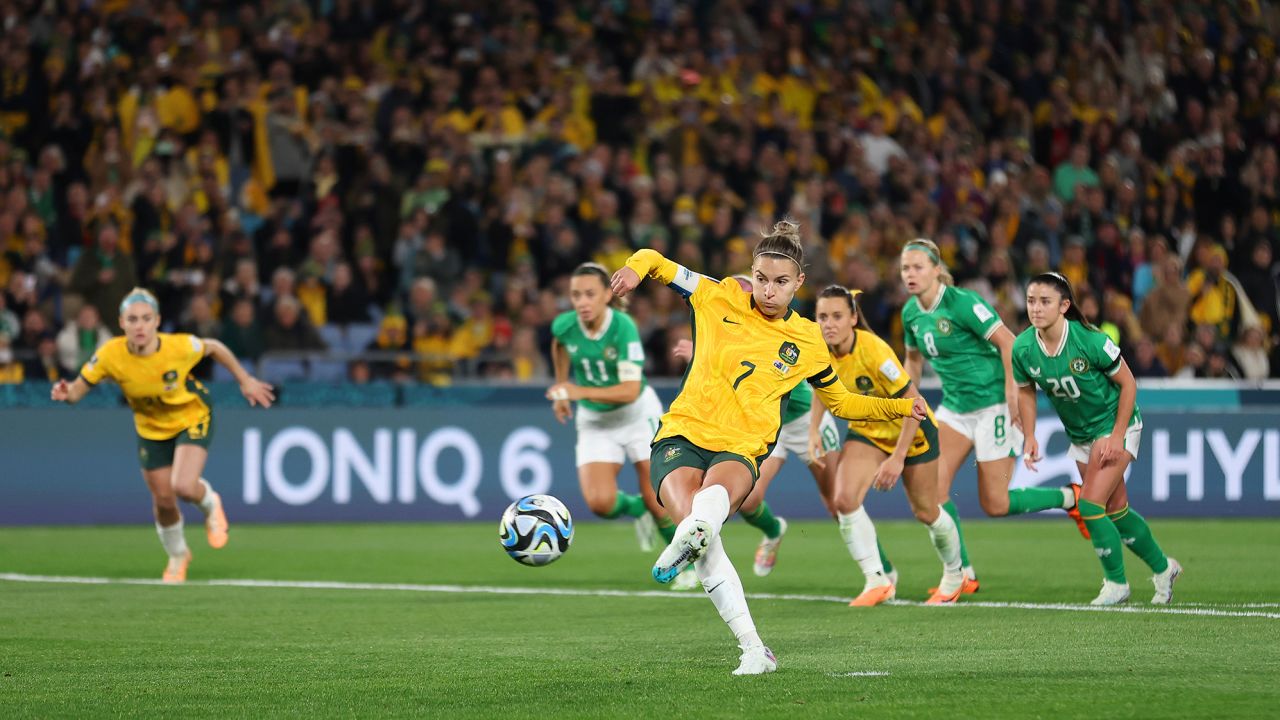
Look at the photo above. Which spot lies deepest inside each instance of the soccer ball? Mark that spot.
(536, 530)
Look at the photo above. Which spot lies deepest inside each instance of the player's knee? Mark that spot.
(994, 506)
(845, 502)
(165, 503)
(928, 516)
(600, 504)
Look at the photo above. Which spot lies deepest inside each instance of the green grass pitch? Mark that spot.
(206, 650)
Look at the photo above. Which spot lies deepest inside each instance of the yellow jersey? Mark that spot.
(745, 365)
(164, 397)
(871, 368)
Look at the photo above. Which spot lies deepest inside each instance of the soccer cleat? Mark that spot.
(948, 591)
(1074, 512)
(685, 581)
(646, 531)
(968, 587)
(756, 661)
(687, 546)
(215, 525)
(1164, 583)
(176, 570)
(1113, 593)
(767, 551)
(874, 595)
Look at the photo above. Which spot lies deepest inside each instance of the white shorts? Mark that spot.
(989, 429)
(1132, 441)
(794, 437)
(618, 436)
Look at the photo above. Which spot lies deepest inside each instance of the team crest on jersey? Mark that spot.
(610, 353)
(789, 353)
(864, 383)
(1079, 366)
(944, 326)
(671, 454)
(171, 380)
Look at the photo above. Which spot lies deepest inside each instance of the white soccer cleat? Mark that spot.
(767, 551)
(1112, 593)
(1164, 583)
(686, 581)
(690, 542)
(646, 531)
(756, 661)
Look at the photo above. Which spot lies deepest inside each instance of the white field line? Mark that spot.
(582, 592)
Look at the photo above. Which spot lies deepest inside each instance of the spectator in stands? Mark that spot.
(242, 334)
(79, 339)
(1167, 303)
(104, 274)
(290, 330)
(1250, 354)
(347, 301)
(1260, 278)
(44, 364)
(1213, 296)
(1145, 362)
(11, 371)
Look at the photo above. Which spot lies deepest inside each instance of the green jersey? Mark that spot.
(1077, 378)
(798, 403)
(612, 355)
(953, 335)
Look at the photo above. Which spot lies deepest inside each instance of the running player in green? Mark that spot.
(969, 348)
(1095, 395)
(617, 410)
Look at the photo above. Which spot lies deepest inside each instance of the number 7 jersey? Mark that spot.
(1077, 378)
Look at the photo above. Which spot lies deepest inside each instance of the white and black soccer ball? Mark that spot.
(536, 530)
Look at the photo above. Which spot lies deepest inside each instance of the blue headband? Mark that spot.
(142, 297)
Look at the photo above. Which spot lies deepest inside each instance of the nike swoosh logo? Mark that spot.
(731, 322)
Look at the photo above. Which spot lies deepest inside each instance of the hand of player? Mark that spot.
(257, 392)
(61, 391)
(1109, 449)
(1030, 452)
(816, 451)
(563, 410)
(683, 350)
(564, 391)
(624, 281)
(887, 474)
(920, 409)
(1011, 398)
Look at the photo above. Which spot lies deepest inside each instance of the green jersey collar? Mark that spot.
(1062, 344)
(604, 325)
(937, 301)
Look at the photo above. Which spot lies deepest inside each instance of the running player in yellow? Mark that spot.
(876, 453)
(750, 351)
(1093, 391)
(969, 347)
(171, 413)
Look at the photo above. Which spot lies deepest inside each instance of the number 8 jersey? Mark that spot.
(953, 335)
(1077, 377)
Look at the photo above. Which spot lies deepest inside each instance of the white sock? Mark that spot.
(206, 503)
(1068, 498)
(175, 544)
(946, 540)
(860, 537)
(721, 582)
(710, 506)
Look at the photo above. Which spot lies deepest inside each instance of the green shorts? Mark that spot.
(155, 454)
(677, 452)
(924, 449)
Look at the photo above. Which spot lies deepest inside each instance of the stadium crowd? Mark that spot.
(408, 184)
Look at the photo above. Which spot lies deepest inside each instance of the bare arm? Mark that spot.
(622, 393)
(1003, 340)
(253, 389)
(560, 361)
(909, 428)
(70, 392)
(1123, 377)
(914, 365)
(1027, 410)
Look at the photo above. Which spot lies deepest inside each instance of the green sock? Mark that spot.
(884, 559)
(1106, 540)
(1034, 499)
(667, 529)
(1135, 533)
(950, 507)
(630, 505)
(764, 519)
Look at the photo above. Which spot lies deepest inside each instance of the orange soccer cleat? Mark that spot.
(176, 570)
(215, 524)
(873, 596)
(1074, 512)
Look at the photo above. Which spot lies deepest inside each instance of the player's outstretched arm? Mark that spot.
(70, 392)
(849, 406)
(254, 390)
(651, 263)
